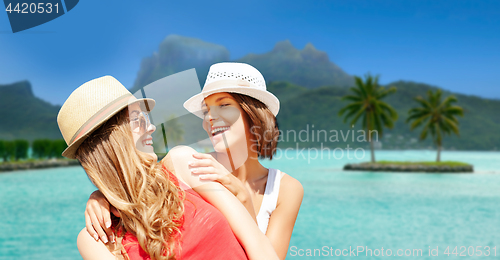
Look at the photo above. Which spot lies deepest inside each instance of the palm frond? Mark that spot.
(418, 121)
(418, 110)
(352, 112)
(386, 120)
(351, 98)
(359, 113)
(454, 110)
(415, 116)
(361, 87)
(425, 103)
(386, 92)
(357, 91)
(353, 106)
(453, 126)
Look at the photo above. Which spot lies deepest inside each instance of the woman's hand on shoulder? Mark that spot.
(209, 169)
(98, 217)
(176, 161)
(196, 169)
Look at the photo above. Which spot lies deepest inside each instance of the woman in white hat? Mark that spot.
(239, 115)
(109, 132)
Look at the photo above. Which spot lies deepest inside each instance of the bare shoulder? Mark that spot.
(84, 240)
(180, 152)
(291, 190)
(177, 161)
(289, 183)
(90, 249)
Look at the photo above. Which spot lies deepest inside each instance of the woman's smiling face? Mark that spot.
(224, 122)
(141, 129)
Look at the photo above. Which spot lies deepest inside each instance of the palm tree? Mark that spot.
(366, 103)
(438, 117)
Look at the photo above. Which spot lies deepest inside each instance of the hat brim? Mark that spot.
(193, 104)
(147, 104)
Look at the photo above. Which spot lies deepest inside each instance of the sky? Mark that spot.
(454, 44)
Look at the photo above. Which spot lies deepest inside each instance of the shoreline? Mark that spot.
(30, 165)
(417, 168)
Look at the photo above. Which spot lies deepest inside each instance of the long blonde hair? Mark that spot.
(150, 204)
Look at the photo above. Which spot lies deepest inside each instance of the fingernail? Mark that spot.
(113, 239)
(96, 237)
(108, 224)
(104, 239)
(190, 163)
(194, 170)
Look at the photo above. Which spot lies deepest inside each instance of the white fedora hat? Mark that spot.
(234, 77)
(89, 106)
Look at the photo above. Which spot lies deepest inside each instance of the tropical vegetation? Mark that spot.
(438, 117)
(17, 150)
(366, 104)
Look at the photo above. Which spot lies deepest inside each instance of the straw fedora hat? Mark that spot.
(234, 77)
(89, 106)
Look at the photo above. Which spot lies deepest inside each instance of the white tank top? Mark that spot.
(270, 199)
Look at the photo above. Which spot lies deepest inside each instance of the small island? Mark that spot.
(22, 154)
(425, 167)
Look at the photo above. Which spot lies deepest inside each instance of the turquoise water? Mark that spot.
(41, 212)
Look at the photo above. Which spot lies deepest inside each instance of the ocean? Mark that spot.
(372, 215)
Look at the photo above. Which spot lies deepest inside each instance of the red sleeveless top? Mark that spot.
(206, 234)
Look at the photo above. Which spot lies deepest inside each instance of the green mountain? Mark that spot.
(24, 115)
(308, 67)
(307, 83)
(303, 112)
(178, 53)
(317, 110)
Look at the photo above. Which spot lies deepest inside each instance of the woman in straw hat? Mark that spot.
(109, 132)
(239, 115)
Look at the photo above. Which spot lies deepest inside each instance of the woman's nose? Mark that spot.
(212, 113)
(151, 128)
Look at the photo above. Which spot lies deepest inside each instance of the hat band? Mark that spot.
(228, 83)
(105, 111)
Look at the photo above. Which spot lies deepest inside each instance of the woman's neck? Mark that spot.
(251, 171)
(247, 169)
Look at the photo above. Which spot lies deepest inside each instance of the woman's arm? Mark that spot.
(98, 217)
(283, 218)
(256, 244)
(279, 230)
(209, 169)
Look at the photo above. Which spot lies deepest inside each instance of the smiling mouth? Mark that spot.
(147, 142)
(219, 130)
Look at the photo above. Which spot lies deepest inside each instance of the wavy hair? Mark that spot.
(150, 204)
(264, 126)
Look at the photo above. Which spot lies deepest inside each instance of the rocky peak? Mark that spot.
(284, 46)
(22, 88)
